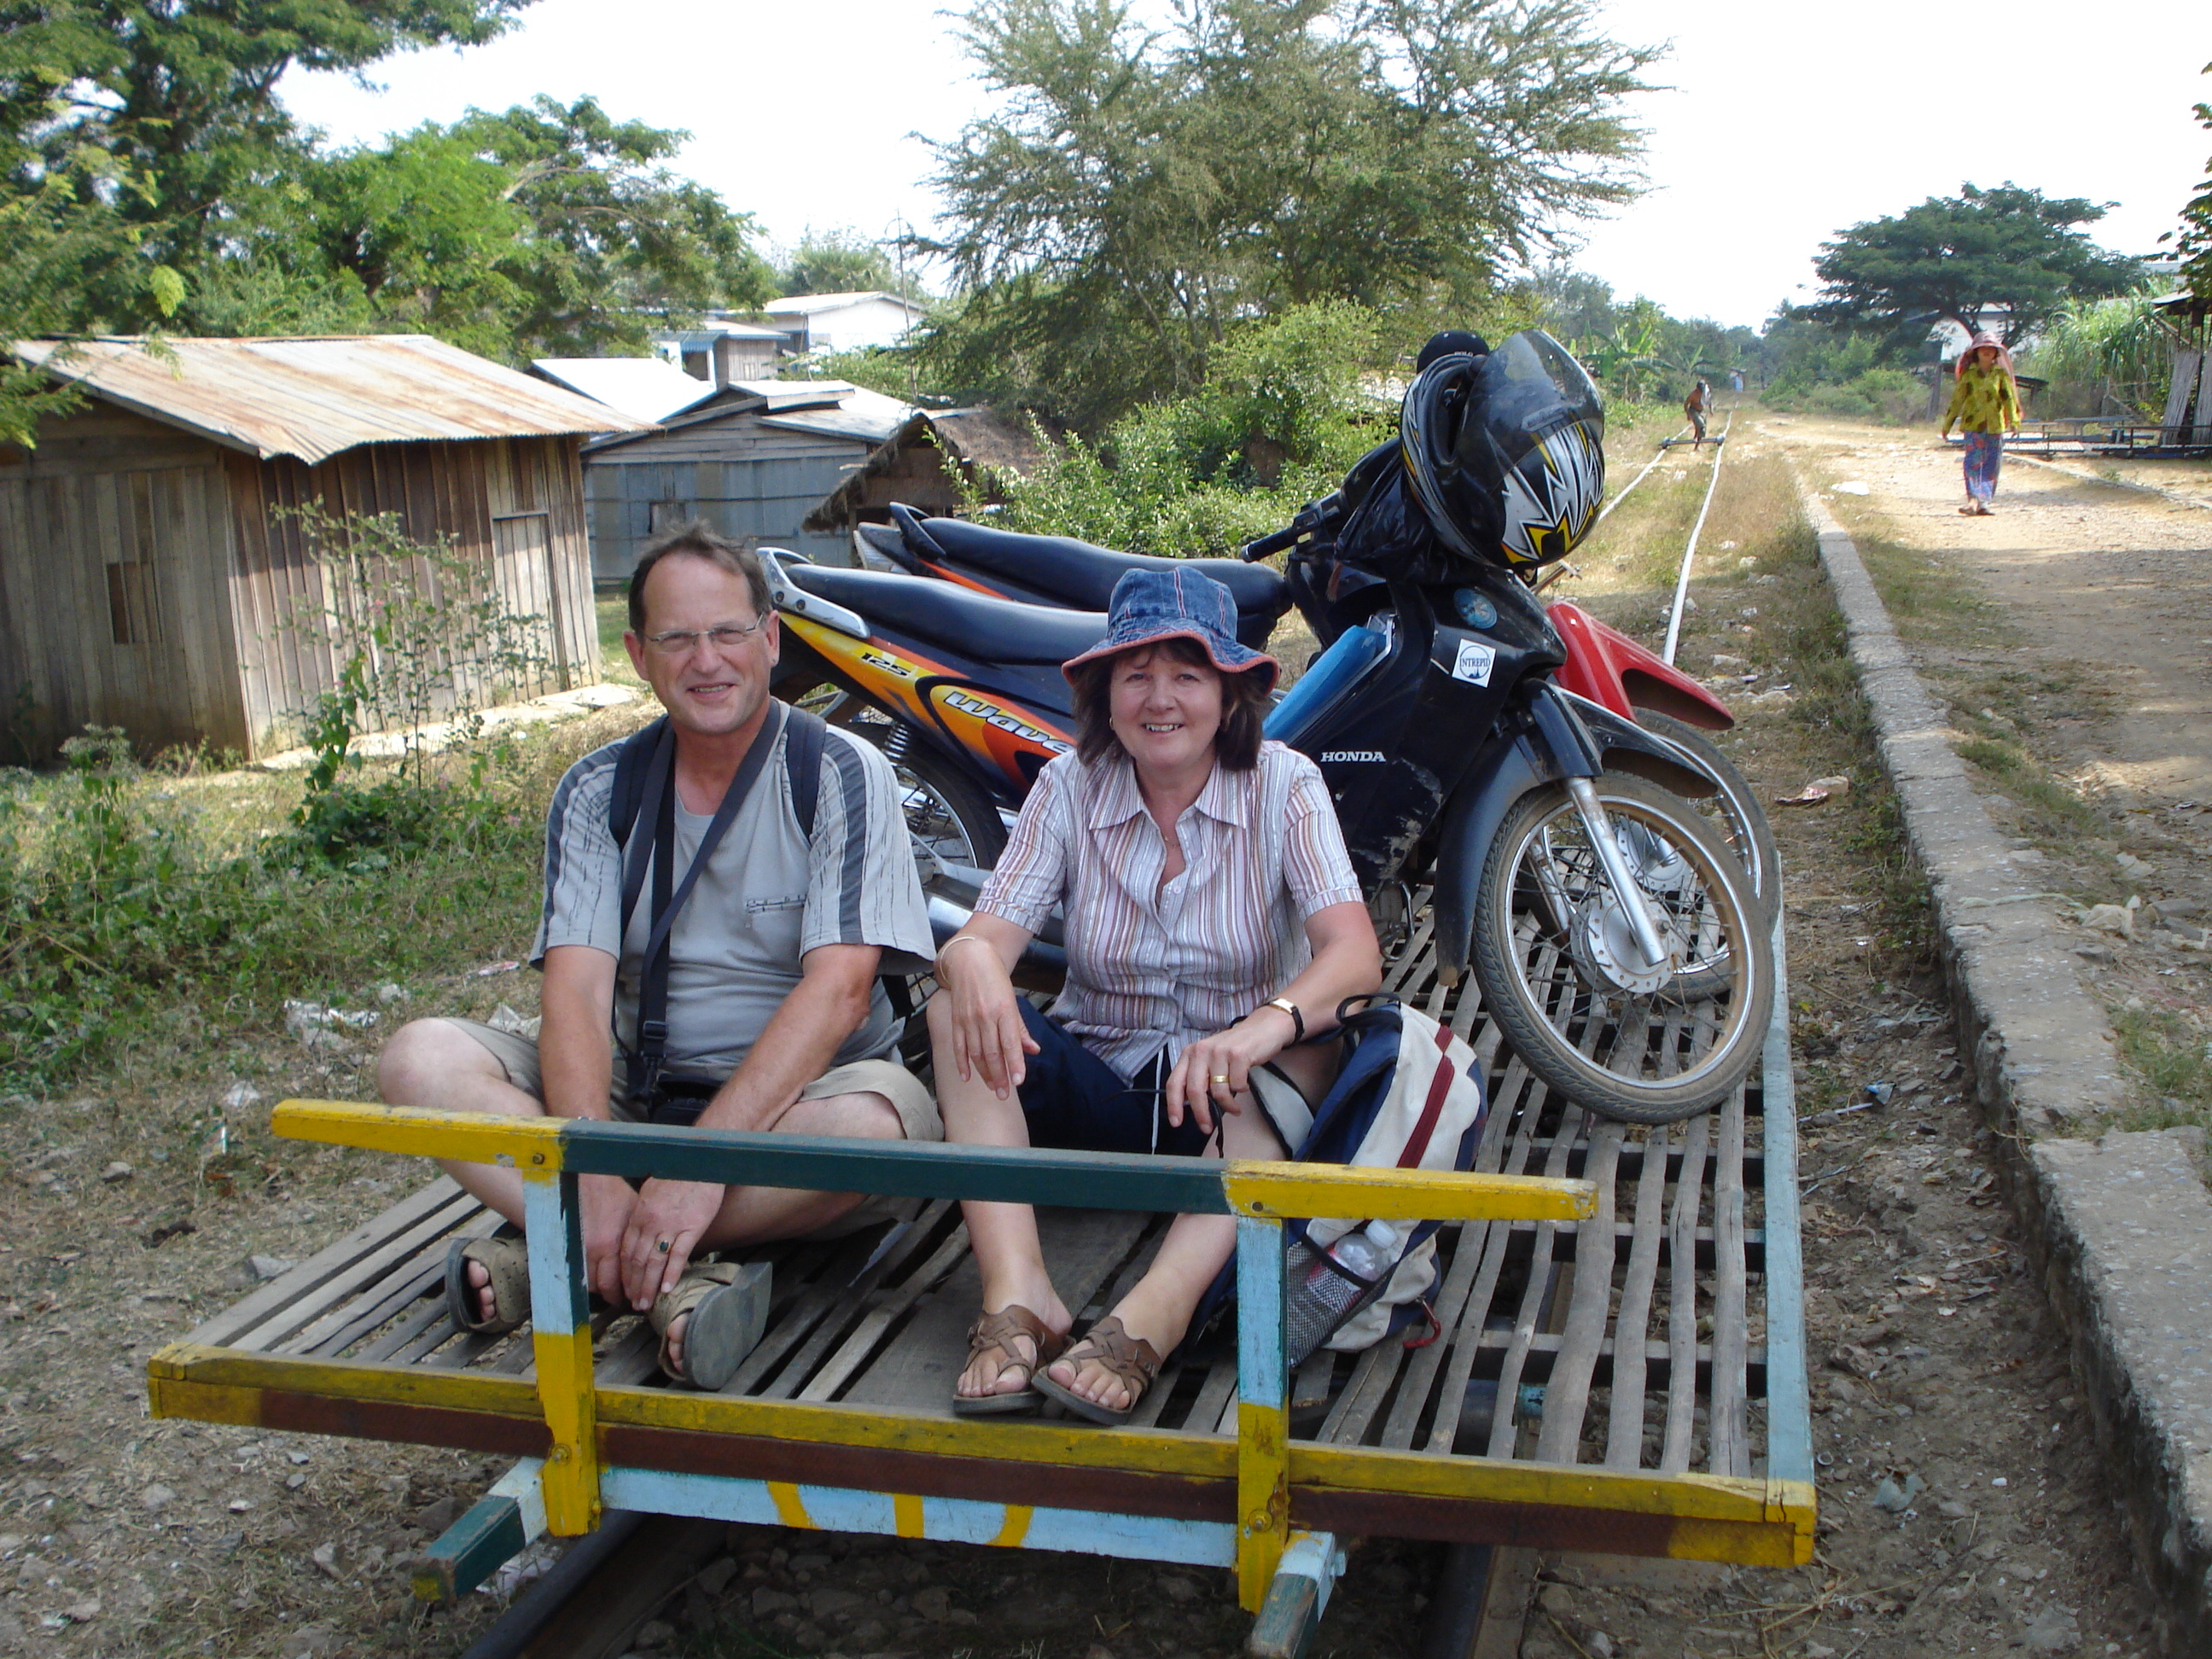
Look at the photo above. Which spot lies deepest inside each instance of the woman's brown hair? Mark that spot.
(1244, 705)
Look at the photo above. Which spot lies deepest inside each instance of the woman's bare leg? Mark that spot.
(1158, 1306)
(1003, 1237)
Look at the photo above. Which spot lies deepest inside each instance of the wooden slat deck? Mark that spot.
(1633, 1341)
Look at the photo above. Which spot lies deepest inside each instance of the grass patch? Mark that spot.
(613, 611)
(2050, 810)
(2169, 1057)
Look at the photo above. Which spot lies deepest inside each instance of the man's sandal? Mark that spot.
(1130, 1360)
(727, 1302)
(1001, 1330)
(507, 1262)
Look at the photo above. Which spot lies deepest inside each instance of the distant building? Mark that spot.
(753, 464)
(931, 462)
(643, 388)
(151, 578)
(722, 349)
(843, 322)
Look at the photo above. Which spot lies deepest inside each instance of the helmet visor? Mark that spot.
(1529, 388)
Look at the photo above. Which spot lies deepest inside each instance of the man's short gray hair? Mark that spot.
(696, 538)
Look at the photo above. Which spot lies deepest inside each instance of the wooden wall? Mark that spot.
(115, 537)
(515, 502)
(146, 575)
(752, 483)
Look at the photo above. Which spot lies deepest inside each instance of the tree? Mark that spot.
(149, 166)
(2193, 242)
(844, 261)
(1959, 258)
(164, 111)
(1140, 189)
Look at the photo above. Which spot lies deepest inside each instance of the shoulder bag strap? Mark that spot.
(651, 1050)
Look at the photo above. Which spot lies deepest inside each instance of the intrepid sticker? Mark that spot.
(1474, 664)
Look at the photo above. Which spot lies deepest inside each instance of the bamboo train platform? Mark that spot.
(1616, 1362)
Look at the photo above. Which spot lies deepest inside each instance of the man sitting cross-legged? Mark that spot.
(774, 1017)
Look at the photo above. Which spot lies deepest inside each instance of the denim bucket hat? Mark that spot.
(1152, 605)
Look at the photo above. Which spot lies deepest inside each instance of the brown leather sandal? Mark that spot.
(1001, 1330)
(1129, 1360)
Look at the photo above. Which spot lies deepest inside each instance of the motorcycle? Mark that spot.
(1603, 665)
(1615, 939)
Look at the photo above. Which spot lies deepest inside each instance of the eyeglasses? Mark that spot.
(681, 643)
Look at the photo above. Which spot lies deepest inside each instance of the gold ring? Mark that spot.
(1219, 1076)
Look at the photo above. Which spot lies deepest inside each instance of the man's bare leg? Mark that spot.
(433, 1063)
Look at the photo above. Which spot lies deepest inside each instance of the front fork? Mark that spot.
(1598, 826)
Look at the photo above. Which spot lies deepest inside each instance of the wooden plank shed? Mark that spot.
(752, 467)
(148, 567)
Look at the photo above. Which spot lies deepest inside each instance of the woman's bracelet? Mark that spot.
(957, 939)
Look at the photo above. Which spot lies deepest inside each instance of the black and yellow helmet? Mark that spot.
(1506, 451)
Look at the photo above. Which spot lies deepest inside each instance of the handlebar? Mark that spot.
(1266, 547)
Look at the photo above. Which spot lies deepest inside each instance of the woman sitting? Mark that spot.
(1212, 922)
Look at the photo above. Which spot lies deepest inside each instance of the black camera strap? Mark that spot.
(645, 1058)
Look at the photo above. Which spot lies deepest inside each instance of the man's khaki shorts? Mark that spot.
(916, 1108)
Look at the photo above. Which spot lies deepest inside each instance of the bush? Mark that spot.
(115, 919)
(1892, 395)
(1286, 407)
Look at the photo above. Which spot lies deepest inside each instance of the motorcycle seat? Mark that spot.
(972, 625)
(1081, 574)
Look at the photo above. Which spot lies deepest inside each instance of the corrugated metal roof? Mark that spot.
(645, 388)
(313, 396)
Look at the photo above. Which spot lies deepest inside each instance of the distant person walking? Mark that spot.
(1735, 379)
(1984, 406)
(1695, 405)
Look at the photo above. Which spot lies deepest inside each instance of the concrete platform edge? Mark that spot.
(2119, 1229)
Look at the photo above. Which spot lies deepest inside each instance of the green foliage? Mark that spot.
(1139, 189)
(153, 177)
(417, 631)
(1956, 256)
(844, 261)
(2102, 353)
(113, 917)
(1284, 410)
(163, 119)
(1829, 374)
(2193, 241)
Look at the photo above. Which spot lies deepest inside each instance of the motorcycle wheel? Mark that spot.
(1735, 811)
(946, 813)
(1561, 975)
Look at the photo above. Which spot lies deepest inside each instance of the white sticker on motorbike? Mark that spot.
(1474, 663)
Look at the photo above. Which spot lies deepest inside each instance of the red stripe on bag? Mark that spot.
(1440, 1084)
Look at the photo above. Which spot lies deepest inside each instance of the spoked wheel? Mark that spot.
(1735, 811)
(948, 814)
(1556, 953)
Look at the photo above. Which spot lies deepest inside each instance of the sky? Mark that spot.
(1776, 124)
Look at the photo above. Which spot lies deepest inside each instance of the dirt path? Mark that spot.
(2113, 581)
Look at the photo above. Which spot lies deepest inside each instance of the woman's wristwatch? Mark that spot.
(1290, 1008)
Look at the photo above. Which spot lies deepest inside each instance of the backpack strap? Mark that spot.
(802, 759)
(802, 754)
(632, 762)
